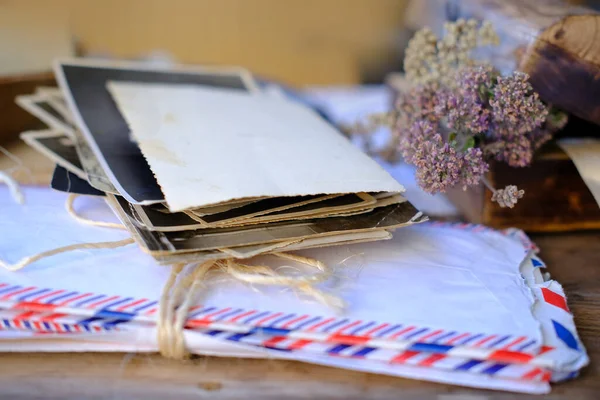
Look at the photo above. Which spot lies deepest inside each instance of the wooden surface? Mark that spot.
(573, 259)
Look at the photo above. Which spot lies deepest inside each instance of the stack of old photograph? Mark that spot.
(200, 163)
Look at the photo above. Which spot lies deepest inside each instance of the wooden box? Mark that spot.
(556, 198)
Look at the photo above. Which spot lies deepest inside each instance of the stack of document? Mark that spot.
(199, 164)
(458, 304)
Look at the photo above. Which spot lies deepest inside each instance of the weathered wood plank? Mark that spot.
(556, 43)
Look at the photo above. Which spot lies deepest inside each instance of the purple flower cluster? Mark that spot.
(516, 108)
(439, 164)
(421, 104)
(448, 132)
(465, 105)
(517, 119)
(416, 135)
(516, 151)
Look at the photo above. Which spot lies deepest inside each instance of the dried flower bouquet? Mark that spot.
(460, 113)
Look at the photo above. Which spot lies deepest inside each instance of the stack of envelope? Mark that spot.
(458, 304)
(200, 164)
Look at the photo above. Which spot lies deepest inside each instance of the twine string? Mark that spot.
(25, 261)
(164, 329)
(13, 187)
(263, 275)
(170, 328)
(179, 292)
(71, 210)
(9, 180)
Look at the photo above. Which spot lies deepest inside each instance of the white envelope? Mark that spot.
(411, 279)
(451, 281)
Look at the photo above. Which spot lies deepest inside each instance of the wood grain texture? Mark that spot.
(564, 65)
(572, 259)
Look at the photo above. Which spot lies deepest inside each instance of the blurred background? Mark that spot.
(297, 41)
(300, 42)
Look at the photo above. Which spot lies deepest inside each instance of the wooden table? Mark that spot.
(573, 260)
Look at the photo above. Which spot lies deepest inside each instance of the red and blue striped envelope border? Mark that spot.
(119, 311)
(48, 310)
(44, 323)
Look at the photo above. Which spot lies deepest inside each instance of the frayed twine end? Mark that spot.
(13, 187)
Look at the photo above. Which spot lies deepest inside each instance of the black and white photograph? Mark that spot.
(84, 84)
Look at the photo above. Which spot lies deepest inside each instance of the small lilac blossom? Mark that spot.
(555, 121)
(508, 197)
(466, 113)
(474, 167)
(516, 108)
(440, 166)
(516, 151)
(421, 103)
(539, 137)
(414, 136)
(466, 104)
